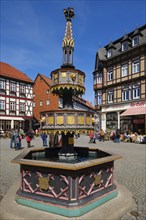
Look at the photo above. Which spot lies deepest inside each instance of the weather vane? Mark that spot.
(69, 13)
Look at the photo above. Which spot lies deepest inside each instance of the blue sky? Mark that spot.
(32, 32)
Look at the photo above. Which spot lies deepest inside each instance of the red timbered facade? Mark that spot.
(16, 99)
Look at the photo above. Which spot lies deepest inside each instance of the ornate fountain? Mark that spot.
(66, 82)
(67, 180)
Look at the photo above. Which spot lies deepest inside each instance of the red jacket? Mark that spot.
(28, 139)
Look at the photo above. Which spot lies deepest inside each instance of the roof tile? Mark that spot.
(8, 71)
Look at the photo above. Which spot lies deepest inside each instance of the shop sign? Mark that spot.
(138, 121)
(137, 104)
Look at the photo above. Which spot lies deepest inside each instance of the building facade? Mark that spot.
(44, 100)
(16, 99)
(120, 83)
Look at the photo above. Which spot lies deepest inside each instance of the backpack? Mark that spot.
(102, 133)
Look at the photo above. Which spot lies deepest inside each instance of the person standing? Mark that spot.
(118, 136)
(101, 135)
(17, 140)
(29, 136)
(51, 140)
(44, 139)
(12, 142)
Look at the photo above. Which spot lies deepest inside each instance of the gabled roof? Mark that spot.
(84, 102)
(45, 78)
(9, 71)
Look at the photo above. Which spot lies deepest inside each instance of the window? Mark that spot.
(135, 66)
(99, 98)
(109, 75)
(48, 102)
(2, 125)
(95, 80)
(136, 91)
(8, 125)
(130, 92)
(12, 106)
(124, 46)
(125, 94)
(41, 103)
(12, 87)
(110, 96)
(48, 91)
(22, 89)
(33, 104)
(22, 107)
(2, 105)
(109, 53)
(135, 41)
(2, 85)
(124, 70)
(99, 77)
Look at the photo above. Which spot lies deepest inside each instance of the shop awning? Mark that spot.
(11, 118)
(141, 110)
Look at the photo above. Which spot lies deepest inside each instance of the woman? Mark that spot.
(29, 136)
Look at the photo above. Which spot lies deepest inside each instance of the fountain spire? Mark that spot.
(68, 41)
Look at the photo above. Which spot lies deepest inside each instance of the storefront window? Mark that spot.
(112, 121)
(8, 125)
(2, 125)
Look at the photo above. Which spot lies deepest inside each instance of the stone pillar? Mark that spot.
(12, 124)
(118, 120)
(103, 121)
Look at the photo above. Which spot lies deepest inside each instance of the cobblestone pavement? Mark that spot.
(130, 171)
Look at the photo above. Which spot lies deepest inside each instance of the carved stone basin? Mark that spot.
(70, 188)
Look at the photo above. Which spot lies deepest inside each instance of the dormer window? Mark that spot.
(125, 46)
(109, 53)
(135, 41)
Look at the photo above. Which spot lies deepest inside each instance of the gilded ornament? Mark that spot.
(80, 79)
(70, 120)
(43, 183)
(97, 180)
(63, 74)
(60, 120)
(50, 120)
(73, 76)
(88, 120)
(43, 119)
(81, 120)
